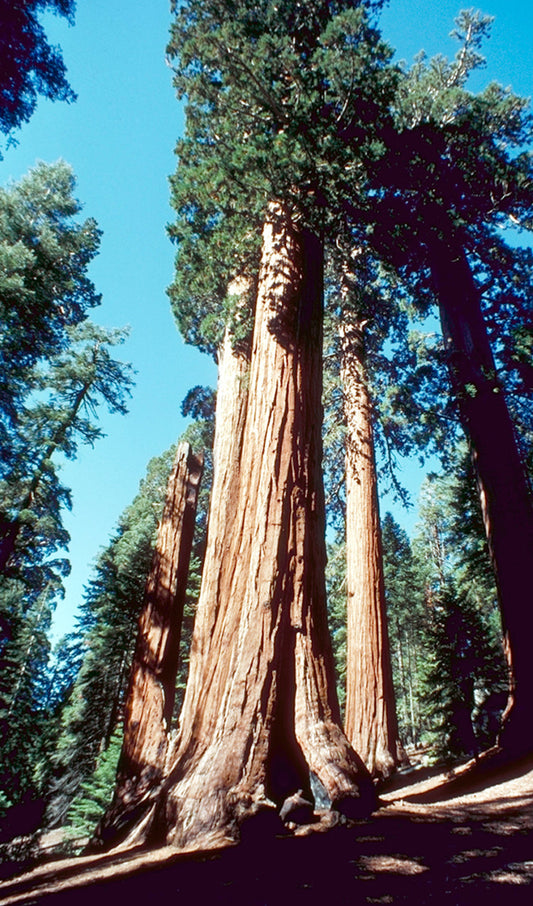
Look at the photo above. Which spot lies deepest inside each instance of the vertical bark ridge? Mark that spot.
(266, 716)
(371, 722)
(232, 396)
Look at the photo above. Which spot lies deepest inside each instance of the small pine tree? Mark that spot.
(461, 670)
(405, 607)
(96, 792)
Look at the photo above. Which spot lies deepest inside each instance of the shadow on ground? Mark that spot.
(455, 852)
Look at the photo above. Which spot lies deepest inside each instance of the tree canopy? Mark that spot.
(30, 65)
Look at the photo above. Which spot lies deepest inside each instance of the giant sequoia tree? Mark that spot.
(453, 175)
(264, 722)
(260, 720)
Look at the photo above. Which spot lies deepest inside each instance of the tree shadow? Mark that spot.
(476, 849)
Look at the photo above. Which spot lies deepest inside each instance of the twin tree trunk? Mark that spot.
(371, 724)
(260, 719)
(502, 483)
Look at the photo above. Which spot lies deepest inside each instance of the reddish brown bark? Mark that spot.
(232, 396)
(370, 718)
(266, 719)
(151, 693)
(503, 487)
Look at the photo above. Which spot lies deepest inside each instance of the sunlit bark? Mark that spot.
(371, 724)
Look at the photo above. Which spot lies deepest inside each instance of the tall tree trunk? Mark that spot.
(266, 718)
(232, 397)
(371, 724)
(503, 487)
(150, 698)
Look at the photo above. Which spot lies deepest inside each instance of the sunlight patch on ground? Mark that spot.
(397, 864)
(508, 877)
(475, 853)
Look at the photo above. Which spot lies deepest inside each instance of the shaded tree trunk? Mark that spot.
(150, 698)
(503, 487)
(371, 724)
(266, 720)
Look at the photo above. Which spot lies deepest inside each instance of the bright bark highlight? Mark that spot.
(370, 724)
(266, 720)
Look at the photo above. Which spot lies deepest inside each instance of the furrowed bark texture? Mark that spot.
(266, 721)
(370, 723)
(151, 693)
(502, 483)
(232, 397)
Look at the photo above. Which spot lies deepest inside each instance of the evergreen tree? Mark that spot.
(404, 590)
(67, 392)
(26, 725)
(96, 792)
(107, 625)
(263, 123)
(465, 675)
(30, 65)
(454, 172)
(58, 369)
(45, 253)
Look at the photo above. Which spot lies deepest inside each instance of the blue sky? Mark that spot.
(119, 137)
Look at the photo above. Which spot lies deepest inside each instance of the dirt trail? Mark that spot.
(475, 846)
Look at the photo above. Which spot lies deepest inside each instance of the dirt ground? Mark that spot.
(465, 842)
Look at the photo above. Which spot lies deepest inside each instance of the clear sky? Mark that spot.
(119, 137)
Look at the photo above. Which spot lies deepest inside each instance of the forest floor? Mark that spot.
(459, 838)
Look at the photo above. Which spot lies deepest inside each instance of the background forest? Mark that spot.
(385, 358)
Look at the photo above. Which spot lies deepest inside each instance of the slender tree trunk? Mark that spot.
(412, 673)
(501, 478)
(266, 718)
(371, 724)
(150, 698)
(403, 684)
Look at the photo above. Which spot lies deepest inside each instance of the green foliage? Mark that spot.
(465, 676)
(461, 671)
(23, 708)
(67, 392)
(44, 255)
(30, 65)
(454, 165)
(406, 613)
(108, 626)
(96, 792)
(32, 532)
(273, 90)
(336, 598)
(57, 369)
